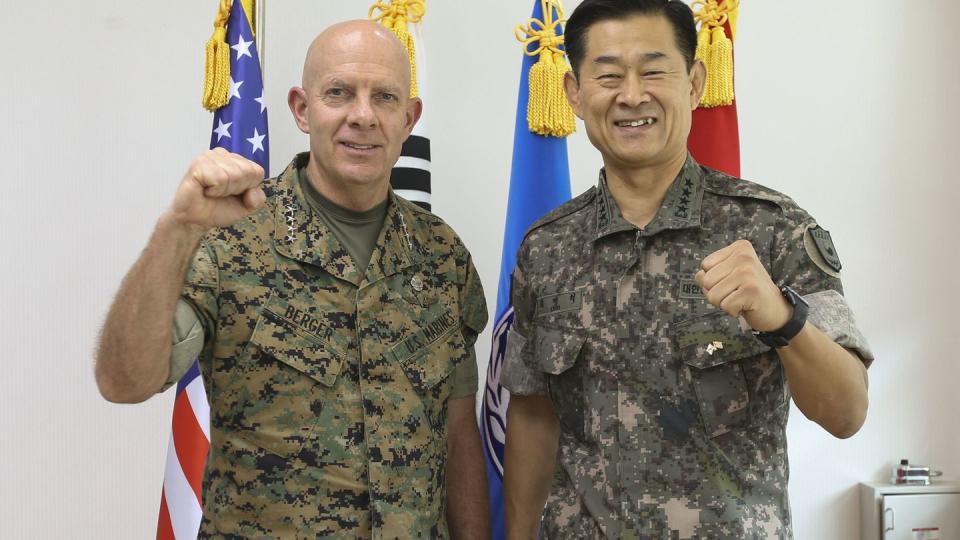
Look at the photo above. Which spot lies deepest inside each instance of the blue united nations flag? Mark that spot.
(539, 182)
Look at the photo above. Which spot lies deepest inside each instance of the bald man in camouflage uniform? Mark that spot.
(334, 322)
(665, 318)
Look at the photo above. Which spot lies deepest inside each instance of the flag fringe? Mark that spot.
(395, 15)
(715, 49)
(216, 81)
(548, 112)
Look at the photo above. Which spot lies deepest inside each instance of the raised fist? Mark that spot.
(218, 189)
(734, 280)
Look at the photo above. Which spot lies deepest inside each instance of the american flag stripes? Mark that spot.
(240, 127)
(181, 501)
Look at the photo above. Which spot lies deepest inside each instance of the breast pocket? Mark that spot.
(558, 353)
(714, 348)
(286, 381)
(429, 355)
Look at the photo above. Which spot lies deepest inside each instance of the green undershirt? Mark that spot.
(356, 231)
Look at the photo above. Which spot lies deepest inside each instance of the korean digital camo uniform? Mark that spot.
(672, 413)
(328, 387)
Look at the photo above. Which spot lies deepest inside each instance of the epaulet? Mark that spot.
(271, 186)
(564, 209)
(417, 209)
(723, 184)
(419, 212)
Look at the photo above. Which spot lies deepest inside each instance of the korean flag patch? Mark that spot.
(821, 250)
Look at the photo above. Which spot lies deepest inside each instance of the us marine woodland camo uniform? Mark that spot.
(672, 413)
(328, 386)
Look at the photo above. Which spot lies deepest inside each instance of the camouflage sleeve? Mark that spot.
(519, 375)
(473, 305)
(805, 259)
(196, 312)
(187, 342)
(465, 377)
(473, 318)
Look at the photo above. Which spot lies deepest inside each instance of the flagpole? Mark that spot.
(259, 33)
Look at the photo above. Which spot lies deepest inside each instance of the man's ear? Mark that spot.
(414, 110)
(698, 81)
(571, 87)
(297, 100)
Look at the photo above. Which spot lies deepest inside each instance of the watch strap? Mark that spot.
(781, 337)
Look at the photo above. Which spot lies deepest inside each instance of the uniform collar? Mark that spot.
(680, 208)
(398, 245)
(301, 235)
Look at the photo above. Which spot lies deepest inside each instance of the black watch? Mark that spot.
(781, 337)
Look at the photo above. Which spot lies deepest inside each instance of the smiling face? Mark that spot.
(635, 94)
(355, 106)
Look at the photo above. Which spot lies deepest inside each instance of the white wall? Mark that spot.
(848, 106)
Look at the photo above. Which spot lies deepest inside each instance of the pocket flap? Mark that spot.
(437, 363)
(430, 354)
(556, 350)
(715, 339)
(297, 348)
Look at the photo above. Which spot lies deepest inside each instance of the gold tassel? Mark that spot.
(721, 64)
(395, 16)
(548, 112)
(216, 81)
(703, 44)
(715, 49)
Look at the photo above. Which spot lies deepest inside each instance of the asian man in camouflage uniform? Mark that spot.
(633, 358)
(334, 322)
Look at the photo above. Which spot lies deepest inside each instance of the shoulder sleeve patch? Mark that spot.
(820, 249)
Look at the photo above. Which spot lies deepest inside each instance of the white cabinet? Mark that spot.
(892, 512)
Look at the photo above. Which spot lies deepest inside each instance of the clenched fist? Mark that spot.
(734, 280)
(218, 189)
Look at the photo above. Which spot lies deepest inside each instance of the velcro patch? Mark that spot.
(826, 256)
(560, 302)
(690, 289)
(429, 333)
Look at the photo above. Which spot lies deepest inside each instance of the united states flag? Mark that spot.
(240, 127)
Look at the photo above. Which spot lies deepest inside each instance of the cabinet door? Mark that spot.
(909, 517)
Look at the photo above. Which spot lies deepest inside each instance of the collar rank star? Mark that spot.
(290, 221)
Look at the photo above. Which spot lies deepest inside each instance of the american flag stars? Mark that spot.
(222, 130)
(256, 141)
(242, 47)
(241, 125)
